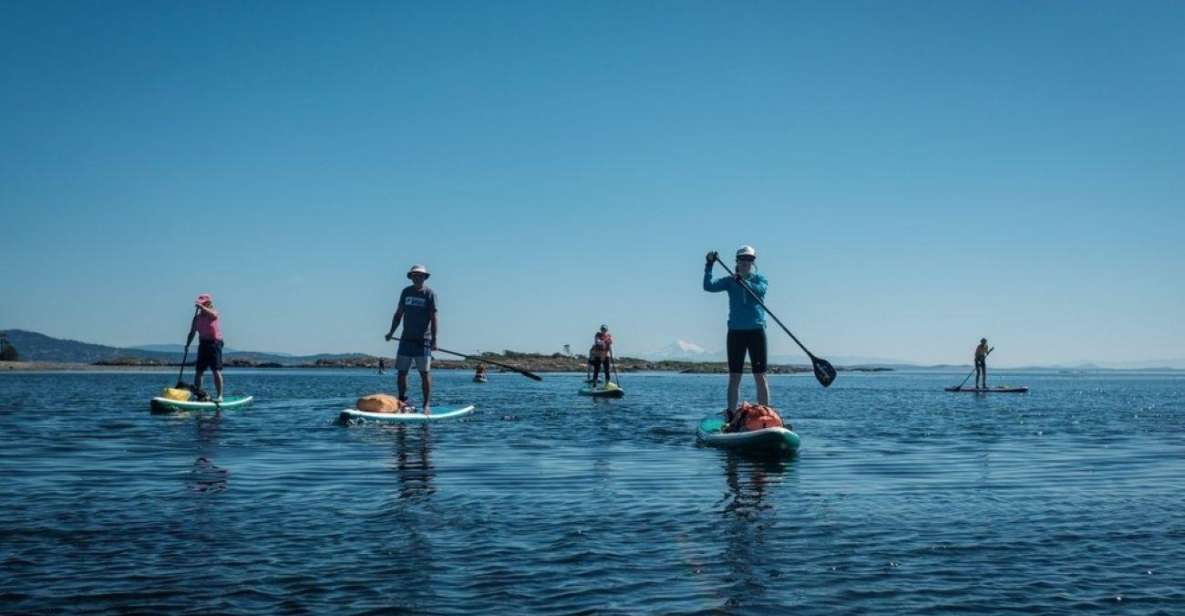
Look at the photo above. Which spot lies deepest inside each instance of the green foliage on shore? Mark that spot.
(7, 351)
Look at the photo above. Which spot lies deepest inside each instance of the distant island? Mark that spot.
(26, 350)
(36, 351)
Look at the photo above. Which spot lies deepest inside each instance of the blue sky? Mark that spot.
(913, 175)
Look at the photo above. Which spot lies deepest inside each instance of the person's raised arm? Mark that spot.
(713, 286)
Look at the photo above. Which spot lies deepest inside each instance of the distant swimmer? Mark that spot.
(981, 353)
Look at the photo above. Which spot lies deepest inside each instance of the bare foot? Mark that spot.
(427, 410)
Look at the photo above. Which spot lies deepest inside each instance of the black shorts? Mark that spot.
(741, 341)
(981, 362)
(209, 355)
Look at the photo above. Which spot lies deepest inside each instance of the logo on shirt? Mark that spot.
(418, 302)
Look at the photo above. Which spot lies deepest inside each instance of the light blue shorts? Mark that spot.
(423, 362)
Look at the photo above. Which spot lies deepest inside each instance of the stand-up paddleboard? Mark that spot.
(990, 390)
(165, 405)
(438, 413)
(608, 391)
(479, 379)
(766, 440)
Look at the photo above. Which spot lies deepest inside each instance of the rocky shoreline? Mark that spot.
(526, 361)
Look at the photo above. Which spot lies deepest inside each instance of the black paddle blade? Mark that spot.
(824, 371)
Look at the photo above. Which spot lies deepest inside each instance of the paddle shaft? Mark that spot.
(188, 341)
(745, 286)
(973, 369)
(530, 375)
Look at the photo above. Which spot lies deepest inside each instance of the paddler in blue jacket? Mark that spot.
(746, 323)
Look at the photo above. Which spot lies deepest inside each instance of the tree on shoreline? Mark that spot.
(7, 351)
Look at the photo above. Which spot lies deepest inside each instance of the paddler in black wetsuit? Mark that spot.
(981, 353)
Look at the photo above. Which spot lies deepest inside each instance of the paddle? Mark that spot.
(613, 362)
(529, 375)
(823, 369)
(973, 370)
(185, 356)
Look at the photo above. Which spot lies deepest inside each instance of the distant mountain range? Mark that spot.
(180, 348)
(682, 350)
(33, 346)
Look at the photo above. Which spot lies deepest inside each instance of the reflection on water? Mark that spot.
(412, 461)
(747, 512)
(205, 476)
(748, 479)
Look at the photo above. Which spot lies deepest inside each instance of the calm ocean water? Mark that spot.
(903, 500)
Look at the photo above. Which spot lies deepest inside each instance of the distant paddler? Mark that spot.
(746, 323)
(417, 310)
(479, 375)
(981, 353)
(208, 327)
(601, 354)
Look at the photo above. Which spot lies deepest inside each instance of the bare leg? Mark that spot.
(218, 383)
(762, 388)
(197, 379)
(426, 386)
(734, 391)
(402, 380)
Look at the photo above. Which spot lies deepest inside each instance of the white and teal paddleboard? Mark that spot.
(608, 391)
(439, 413)
(767, 440)
(166, 405)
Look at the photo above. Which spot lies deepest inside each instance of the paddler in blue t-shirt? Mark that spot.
(417, 310)
(746, 323)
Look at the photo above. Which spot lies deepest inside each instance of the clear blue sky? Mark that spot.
(913, 175)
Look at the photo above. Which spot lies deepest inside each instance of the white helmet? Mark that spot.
(418, 269)
(746, 251)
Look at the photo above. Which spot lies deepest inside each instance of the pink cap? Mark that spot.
(205, 298)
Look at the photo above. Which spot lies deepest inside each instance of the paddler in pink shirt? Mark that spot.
(209, 331)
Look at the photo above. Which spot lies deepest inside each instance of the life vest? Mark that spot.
(750, 417)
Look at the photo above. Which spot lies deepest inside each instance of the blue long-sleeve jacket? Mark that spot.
(743, 312)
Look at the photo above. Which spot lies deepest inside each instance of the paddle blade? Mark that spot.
(824, 371)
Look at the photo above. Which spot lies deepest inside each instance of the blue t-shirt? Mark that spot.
(743, 312)
(418, 306)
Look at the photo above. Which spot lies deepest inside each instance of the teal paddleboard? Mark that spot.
(439, 413)
(766, 440)
(165, 405)
(610, 391)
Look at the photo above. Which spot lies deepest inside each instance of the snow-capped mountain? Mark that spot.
(684, 351)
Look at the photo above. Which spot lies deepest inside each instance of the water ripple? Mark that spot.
(904, 499)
